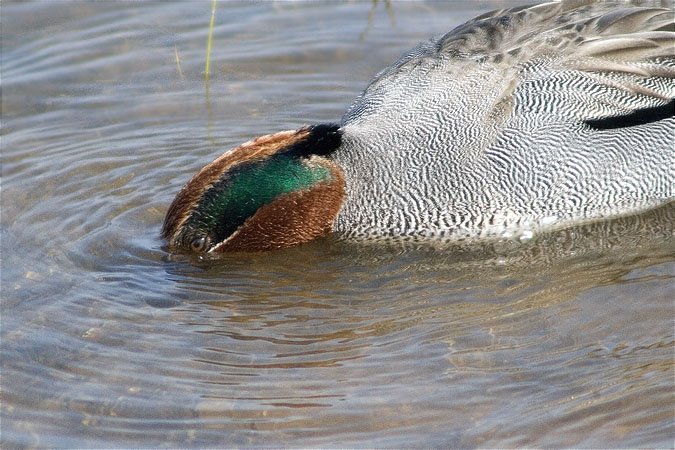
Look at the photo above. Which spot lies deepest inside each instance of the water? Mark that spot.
(108, 340)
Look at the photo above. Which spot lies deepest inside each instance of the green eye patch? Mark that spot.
(248, 187)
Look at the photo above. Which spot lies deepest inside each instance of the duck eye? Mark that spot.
(199, 244)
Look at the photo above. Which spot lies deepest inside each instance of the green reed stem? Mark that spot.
(207, 69)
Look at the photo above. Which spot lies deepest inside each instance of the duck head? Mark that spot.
(276, 191)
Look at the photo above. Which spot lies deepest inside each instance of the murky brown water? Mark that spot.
(109, 341)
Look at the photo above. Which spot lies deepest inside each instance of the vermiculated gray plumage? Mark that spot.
(518, 119)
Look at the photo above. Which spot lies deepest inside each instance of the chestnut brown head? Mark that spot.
(276, 191)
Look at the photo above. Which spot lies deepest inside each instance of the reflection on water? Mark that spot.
(563, 340)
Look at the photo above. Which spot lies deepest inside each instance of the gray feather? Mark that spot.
(484, 131)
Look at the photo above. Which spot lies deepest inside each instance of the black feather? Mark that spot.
(637, 117)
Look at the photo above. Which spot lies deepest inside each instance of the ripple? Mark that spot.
(107, 337)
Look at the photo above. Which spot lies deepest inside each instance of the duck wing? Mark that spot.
(571, 60)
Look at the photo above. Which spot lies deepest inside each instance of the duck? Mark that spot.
(517, 121)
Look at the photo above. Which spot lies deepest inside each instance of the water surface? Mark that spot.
(108, 340)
